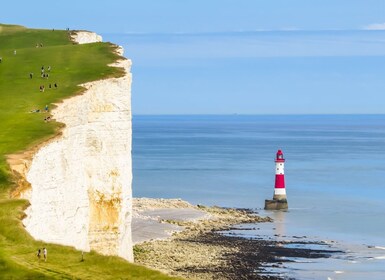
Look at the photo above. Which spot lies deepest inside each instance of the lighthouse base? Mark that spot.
(274, 204)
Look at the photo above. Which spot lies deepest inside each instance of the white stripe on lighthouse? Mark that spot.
(279, 168)
(279, 191)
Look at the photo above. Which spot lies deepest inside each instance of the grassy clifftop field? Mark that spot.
(24, 52)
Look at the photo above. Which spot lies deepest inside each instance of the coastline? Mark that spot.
(197, 248)
(318, 213)
(188, 246)
(205, 247)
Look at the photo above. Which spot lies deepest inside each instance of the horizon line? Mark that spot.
(237, 32)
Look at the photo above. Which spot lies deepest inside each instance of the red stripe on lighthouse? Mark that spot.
(279, 181)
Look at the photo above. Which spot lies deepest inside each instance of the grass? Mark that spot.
(20, 129)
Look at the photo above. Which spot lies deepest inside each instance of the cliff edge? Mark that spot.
(80, 181)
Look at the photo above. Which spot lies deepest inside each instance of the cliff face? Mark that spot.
(85, 37)
(81, 181)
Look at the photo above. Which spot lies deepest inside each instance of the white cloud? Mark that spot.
(375, 26)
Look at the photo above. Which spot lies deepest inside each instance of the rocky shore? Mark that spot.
(201, 251)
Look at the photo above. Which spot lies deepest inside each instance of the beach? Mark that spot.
(193, 242)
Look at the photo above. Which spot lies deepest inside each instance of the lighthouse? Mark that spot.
(279, 200)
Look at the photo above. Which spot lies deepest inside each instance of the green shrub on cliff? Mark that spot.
(23, 53)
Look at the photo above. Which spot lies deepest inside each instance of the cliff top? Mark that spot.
(37, 69)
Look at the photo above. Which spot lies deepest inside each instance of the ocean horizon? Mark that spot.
(264, 72)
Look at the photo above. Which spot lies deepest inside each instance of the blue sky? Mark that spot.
(195, 15)
(236, 56)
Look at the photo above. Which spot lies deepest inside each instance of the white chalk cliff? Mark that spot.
(81, 181)
(85, 37)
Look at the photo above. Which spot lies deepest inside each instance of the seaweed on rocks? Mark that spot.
(207, 250)
(251, 257)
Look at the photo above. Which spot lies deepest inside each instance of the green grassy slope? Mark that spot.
(20, 129)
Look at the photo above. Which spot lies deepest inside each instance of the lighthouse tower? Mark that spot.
(279, 199)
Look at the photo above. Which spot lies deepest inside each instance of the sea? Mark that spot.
(334, 172)
(204, 130)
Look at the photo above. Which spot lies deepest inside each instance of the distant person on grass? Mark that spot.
(45, 254)
(38, 254)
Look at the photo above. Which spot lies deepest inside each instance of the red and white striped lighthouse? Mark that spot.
(279, 187)
(279, 199)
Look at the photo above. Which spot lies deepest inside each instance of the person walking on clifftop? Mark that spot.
(45, 254)
(38, 254)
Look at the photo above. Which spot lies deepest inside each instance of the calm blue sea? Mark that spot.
(334, 168)
(334, 171)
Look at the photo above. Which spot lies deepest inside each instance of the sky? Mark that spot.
(235, 56)
(195, 15)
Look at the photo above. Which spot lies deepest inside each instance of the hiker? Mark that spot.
(30, 75)
(38, 254)
(49, 68)
(55, 85)
(45, 254)
(14, 52)
(46, 108)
